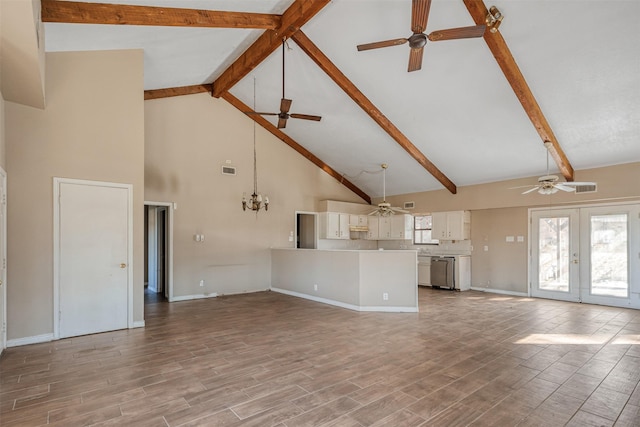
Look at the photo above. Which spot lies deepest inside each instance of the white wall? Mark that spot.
(187, 140)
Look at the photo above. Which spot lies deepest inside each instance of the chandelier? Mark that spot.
(255, 202)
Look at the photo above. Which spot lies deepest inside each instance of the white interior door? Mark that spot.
(94, 256)
(3, 260)
(554, 254)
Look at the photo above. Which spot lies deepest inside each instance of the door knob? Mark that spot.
(123, 265)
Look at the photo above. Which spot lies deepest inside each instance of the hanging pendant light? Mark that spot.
(255, 202)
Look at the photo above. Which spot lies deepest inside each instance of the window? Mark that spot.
(422, 230)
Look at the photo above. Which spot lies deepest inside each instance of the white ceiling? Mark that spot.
(580, 59)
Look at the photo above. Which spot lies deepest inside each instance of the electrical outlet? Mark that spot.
(201, 283)
(315, 287)
(385, 296)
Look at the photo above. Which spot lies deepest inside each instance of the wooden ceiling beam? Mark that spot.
(176, 91)
(361, 100)
(294, 17)
(293, 144)
(120, 14)
(514, 76)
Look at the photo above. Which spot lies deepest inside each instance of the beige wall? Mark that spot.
(91, 129)
(187, 140)
(498, 211)
(22, 52)
(2, 134)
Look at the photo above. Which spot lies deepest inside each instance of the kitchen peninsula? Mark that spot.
(361, 280)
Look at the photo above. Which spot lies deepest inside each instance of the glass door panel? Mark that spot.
(610, 269)
(555, 254)
(609, 255)
(553, 250)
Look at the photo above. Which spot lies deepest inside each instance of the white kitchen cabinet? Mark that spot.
(358, 222)
(463, 273)
(424, 270)
(452, 225)
(384, 228)
(401, 227)
(372, 223)
(395, 227)
(334, 225)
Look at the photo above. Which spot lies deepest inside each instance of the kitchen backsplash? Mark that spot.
(459, 247)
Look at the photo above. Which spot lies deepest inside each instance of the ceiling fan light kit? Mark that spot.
(418, 40)
(384, 208)
(551, 184)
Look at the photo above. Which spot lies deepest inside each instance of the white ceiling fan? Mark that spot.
(384, 208)
(550, 184)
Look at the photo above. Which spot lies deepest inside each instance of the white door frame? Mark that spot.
(633, 253)
(3, 260)
(170, 207)
(584, 242)
(315, 227)
(57, 182)
(573, 270)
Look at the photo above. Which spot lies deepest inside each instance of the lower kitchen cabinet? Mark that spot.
(424, 271)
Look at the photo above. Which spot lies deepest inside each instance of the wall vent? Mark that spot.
(228, 170)
(591, 188)
(409, 205)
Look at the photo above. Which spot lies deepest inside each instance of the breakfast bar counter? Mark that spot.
(362, 280)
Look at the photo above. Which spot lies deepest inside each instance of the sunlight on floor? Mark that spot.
(579, 339)
(627, 339)
(564, 339)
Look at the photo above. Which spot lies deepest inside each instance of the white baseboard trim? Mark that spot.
(500, 291)
(389, 309)
(138, 324)
(190, 297)
(244, 292)
(36, 339)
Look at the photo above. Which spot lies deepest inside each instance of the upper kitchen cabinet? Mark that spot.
(402, 227)
(453, 225)
(394, 227)
(334, 225)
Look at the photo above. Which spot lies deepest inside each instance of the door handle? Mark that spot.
(575, 261)
(123, 265)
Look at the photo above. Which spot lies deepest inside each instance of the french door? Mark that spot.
(587, 254)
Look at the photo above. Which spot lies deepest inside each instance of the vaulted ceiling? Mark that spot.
(478, 111)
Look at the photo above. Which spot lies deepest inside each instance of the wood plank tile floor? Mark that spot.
(266, 359)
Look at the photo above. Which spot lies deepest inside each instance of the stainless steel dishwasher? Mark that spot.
(442, 272)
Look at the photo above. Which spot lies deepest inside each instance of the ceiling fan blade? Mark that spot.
(251, 113)
(457, 33)
(385, 43)
(415, 59)
(282, 123)
(531, 190)
(419, 15)
(285, 105)
(565, 188)
(305, 117)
